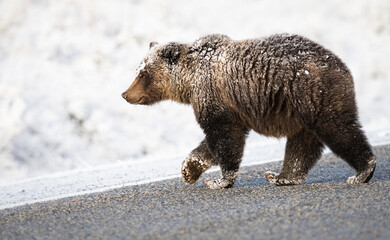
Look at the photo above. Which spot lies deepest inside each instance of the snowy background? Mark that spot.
(64, 64)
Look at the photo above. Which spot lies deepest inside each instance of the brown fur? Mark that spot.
(283, 85)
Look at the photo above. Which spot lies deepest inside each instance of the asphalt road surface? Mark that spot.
(323, 207)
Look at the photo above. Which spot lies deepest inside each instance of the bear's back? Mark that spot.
(275, 80)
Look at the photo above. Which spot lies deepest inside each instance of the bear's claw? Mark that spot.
(219, 183)
(363, 176)
(192, 169)
(277, 179)
(271, 177)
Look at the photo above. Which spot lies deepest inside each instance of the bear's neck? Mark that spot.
(180, 86)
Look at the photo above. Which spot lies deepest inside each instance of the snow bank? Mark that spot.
(64, 64)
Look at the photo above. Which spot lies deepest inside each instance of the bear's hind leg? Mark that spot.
(199, 160)
(348, 141)
(302, 152)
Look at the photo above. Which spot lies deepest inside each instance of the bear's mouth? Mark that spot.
(140, 100)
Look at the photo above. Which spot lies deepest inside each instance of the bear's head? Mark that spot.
(155, 75)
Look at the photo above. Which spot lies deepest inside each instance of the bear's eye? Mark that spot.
(142, 74)
(145, 77)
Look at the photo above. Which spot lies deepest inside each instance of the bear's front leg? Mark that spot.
(199, 160)
(226, 142)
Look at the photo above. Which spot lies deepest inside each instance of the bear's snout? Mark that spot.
(124, 95)
(136, 93)
(134, 97)
(128, 97)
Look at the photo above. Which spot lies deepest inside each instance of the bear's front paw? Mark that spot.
(192, 169)
(271, 177)
(219, 183)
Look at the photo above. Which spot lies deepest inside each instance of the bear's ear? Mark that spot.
(152, 44)
(171, 53)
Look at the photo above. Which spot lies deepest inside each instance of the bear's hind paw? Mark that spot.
(363, 176)
(219, 183)
(276, 179)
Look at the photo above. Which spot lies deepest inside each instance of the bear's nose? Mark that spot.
(124, 95)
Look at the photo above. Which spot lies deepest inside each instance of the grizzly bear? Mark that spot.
(282, 86)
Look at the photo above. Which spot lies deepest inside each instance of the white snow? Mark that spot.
(64, 64)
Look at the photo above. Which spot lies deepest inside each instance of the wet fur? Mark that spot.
(281, 86)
